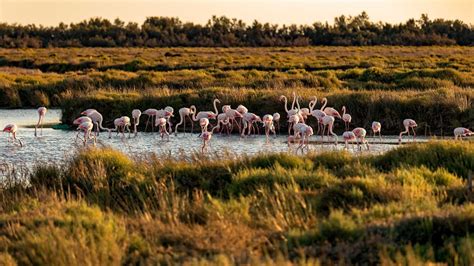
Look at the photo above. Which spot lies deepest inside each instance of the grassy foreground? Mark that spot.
(408, 206)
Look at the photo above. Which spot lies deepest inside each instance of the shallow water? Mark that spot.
(56, 145)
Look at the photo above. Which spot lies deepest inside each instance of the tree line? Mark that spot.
(225, 32)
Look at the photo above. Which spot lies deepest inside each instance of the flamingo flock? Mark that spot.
(90, 124)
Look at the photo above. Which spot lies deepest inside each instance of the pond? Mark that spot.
(56, 145)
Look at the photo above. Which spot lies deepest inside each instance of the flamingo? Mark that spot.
(232, 114)
(121, 124)
(136, 113)
(225, 108)
(170, 110)
(329, 110)
(460, 132)
(81, 120)
(86, 127)
(268, 125)
(184, 113)
(163, 113)
(348, 136)
(41, 113)
(347, 118)
(305, 131)
(12, 129)
(206, 138)
(276, 119)
(328, 121)
(289, 112)
(224, 121)
(304, 112)
(204, 123)
(206, 114)
(96, 118)
(360, 134)
(248, 120)
(162, 124)
(408, 123)
(377, 127)
(151, 113)
(318, 113)
(242, 109)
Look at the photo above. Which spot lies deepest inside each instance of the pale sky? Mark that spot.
(51, 12)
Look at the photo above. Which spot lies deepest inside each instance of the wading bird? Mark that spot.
(162, 125)
(121, 124)
(328, 121)
(305, 132)
(151, 113)
(377, 128)
(408, 123)
(136, 113)
(184, 113)
(348, 136)
(360, 134)
(41, 113)
(12, 129)
(96, 118)
(347, 118)
(461, 132)
(276, 120)
(86, 127)
(206, 114)
(269, 126)
(329, 110)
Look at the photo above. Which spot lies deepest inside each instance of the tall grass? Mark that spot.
(102, 207)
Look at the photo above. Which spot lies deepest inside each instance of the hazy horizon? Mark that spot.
(52, 12)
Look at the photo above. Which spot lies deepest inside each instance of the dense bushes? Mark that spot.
(222, 31)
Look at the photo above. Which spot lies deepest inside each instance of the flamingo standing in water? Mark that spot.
(121, 124)
(461, 132)
(223, 121)
(328, 121)
(305, 131)
(269, 126)
(249, 119)
(162, 124)
(377, 127)
(206, 138)
(41, 113)
(347, 118)
(289, 112)
(329, 110)
(276, 120)
(206, 114)
(232, 115)
(12, 129)
(204, 123)
(151, 113)
(360, 134)
(348, 136)
(81, 120)
(136, 113)
(318, 113)
(86, 127)
(184, 113)
(96, 118)
(408, 123)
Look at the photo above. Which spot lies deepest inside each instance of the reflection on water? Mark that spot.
(56, 145)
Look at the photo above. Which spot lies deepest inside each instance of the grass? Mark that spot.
(267, 209)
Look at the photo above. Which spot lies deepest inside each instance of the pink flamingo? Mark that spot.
(249, 119)
(306, 132)
(151, 113)
(96, 118)
(318, 113)
(329, 110)
(276, 119)
(328, 121)
(86, 127)
(347, 118)
(184, 113)
(204, 123)
(121, 124)
(81, 120)
(166, 114)
(41, 113)
(377, 127)
(232, 115)
(206, 114)
(206, 138)
(162, 124)
(136, 113)
(223, 121)
(461, 132)
(269, 126)
(304, 112)
(349, 136)
(12, 129)
(289, 112)
(360, 134)
(408, 123)
(170, 110)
